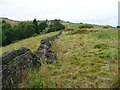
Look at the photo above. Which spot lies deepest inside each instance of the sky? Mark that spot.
(102, 12)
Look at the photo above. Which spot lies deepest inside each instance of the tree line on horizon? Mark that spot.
(26, 29)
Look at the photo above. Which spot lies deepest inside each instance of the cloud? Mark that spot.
(96, 11)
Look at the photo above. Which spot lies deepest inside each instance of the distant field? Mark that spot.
(76, 26)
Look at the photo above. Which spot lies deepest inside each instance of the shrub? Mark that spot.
(81, 23)
(106, 27)
(51, 29)
(56, 25)
(7, 33)
(85, 26)
(20, 31)
(118, 26)
(35, 22)
(28, 30)
(42, 26)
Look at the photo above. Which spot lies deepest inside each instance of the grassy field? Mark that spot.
(85, 60)
(76, 26)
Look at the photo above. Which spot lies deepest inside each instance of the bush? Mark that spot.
(20, 31)
(81, 23)
(51, 29)
(7, 33)
(85, 26)
(118, 26)
(56, 25)
(35, 22)
(106, 27)
(28, 30)
(42, 26)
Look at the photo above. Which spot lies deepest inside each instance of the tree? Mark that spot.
(36, 26)
(42, 26)
(6, 26)
(7, 33)
(4, 39)
(28, 30)
(56, 26)
(35, 22)
(51, 29)
(3, 21)
(18, 31)
(10, 35)
(118, 26)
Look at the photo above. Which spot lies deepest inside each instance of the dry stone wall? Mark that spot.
(16, 62)
(44, 51)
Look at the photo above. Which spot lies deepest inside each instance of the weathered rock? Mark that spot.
(43, 41)
(50, 38)
(51, 57)
(8, 56)
(20, 60)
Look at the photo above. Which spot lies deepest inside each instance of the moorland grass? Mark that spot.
(84, 61)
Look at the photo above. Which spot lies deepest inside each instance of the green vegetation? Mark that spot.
(38, 80)
(35, 23)
(12, 33)
(86, 26)
(32, 43)
(97, 26)
(56, 26)
(26, 29)
(77, 25)
(118, 26)
(39, 27)
(42, 26)
(106, 26)
(85, 59)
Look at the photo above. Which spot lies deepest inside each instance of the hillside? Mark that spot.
(12, 22)
(67, 24)
(85, 60)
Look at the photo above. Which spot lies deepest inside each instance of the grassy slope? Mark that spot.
(12, 22)
(86, 60)
(31, 43)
